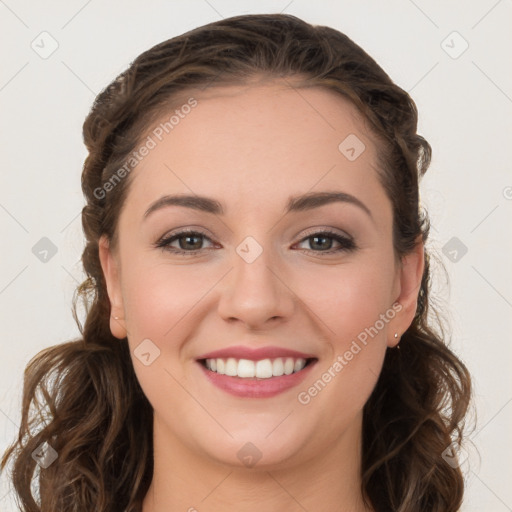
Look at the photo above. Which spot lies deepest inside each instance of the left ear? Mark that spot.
(410, 275)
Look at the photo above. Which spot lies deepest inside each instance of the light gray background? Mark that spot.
(465, 106)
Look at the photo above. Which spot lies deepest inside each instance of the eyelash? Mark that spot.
(347, 244)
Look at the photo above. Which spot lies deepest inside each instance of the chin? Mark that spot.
(254, 448)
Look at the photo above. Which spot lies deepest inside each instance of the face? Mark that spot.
(260, 279)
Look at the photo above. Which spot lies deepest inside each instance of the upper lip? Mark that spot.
(254, 354)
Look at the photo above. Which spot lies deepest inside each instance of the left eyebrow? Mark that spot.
(295, 204)
(317, 199)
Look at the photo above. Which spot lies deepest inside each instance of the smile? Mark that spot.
(261, 369)
(255, 373)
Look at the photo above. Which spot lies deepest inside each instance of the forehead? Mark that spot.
(257, 141)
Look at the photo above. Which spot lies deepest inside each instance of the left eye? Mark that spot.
(319, 239)
(190, 242)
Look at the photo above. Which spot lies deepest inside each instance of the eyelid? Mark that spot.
(185, 230)
(325, 229)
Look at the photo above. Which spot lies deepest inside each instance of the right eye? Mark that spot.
(189, 242)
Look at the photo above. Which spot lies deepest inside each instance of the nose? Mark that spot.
(256, 293)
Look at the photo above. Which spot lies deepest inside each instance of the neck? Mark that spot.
(184, 480)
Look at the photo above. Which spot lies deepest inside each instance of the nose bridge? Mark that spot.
(253, 292)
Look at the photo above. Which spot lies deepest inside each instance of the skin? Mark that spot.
(251, 147)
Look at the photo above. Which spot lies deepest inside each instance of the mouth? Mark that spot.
(261, 373)
(259, 369)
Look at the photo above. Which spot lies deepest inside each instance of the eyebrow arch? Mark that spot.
(295, 204)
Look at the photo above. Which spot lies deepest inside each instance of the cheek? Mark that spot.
(354, 305)
(162, 304)
(348, 299)
(157, 298)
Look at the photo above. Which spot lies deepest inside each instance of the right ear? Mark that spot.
(111, 271)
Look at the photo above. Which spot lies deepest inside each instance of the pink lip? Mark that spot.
(256, 388)
(254, 354)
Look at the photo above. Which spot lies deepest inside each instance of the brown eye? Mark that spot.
(323, 242)
(188, 242)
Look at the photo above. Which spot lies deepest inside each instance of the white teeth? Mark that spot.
(231, 367)
(263, 369)
(246, 368)
(277, 367)
(298, 365)
(289, 365)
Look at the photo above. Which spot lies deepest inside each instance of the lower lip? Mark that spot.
(256, 388)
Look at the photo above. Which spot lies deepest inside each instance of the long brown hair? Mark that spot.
(82, 397)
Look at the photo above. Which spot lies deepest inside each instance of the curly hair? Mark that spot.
(82, 397)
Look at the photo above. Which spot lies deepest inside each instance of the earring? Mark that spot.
(397, 338)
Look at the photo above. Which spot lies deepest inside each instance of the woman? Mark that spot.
(257, 296)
